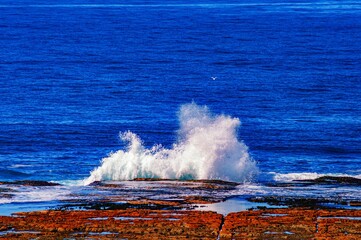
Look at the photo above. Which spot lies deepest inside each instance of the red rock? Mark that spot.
(161, 224)
(132, 223)
(292, 224)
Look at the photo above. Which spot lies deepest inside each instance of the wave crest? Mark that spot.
(207, 148)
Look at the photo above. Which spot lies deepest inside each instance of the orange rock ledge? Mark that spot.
(290, 223)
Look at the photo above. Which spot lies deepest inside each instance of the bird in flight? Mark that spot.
(214, 78)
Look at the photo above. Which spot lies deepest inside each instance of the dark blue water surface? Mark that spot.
(76, 73)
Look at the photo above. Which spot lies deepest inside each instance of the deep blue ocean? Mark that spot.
(74, 74)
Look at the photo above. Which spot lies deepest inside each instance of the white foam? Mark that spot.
(20, 165)
(207, 148)
(70, 183)
(37, 194)
(286, 177)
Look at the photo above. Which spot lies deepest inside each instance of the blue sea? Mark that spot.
(250, 91)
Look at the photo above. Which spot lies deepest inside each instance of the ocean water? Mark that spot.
(248, 91)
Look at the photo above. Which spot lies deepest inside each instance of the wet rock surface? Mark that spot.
(31, 183)
(292, 224)
(126, 224)
(168, 209)
(162, 224)
(159, 192)
(333, 180)
(305, 202)
(324, 180)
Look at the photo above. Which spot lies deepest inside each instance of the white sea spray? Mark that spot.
(207, 148)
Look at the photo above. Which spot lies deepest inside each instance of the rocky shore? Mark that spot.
(178, 224)
(167, 209)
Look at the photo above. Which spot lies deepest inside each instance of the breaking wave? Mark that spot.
(207, 148)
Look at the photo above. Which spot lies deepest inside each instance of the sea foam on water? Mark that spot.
(207, 148)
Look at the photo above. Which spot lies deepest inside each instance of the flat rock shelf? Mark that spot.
(168, 209)
(287, 223)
